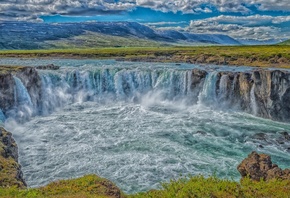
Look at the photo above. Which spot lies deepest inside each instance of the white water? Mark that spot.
(254, 105)
(137, 126)
(208, 94)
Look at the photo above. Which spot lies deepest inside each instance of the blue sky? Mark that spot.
(241, 19)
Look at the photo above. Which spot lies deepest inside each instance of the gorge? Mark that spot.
(141, 123)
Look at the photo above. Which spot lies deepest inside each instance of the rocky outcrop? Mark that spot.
(265, 93)
(48, 67)
(197, 81)
(30, 79)
(10, 170)
(7, 92)
(260, 167)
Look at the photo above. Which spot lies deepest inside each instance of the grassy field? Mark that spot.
(198, 186)
(93, 40)
(260, 56)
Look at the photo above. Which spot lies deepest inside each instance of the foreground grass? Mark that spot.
(198, 186)
(87, 186)
(216, 188)
(260, 56)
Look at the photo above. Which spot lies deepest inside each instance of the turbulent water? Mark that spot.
(135, 125)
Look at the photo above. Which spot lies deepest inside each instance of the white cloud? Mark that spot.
(259, 27)
(32, 8)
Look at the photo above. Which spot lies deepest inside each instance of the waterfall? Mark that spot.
(59, 89)
(55, 93)
(103, 84)
(22, 95)
(254, 106)
(208, 94)
(24, 107)
(223, 86)
(223, 89)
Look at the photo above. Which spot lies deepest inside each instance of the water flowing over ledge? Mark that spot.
(263, 93)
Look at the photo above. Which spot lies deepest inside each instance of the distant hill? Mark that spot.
(287, 42)
(26, 35)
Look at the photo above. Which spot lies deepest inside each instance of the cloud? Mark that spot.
(31, 9)
(259, 27)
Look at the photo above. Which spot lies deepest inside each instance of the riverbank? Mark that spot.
(257, 56)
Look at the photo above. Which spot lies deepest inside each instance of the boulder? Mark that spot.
(260, 167)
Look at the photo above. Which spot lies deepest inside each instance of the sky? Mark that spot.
(241, 19)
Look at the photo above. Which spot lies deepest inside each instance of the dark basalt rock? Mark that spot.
(10, 170)
(260, 167)
(6, 91)
(48, 67)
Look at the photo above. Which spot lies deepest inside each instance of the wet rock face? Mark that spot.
(265, 90)
(10, 170)
(197, 80)
(260, 167)
(272, 93)
(6, 91)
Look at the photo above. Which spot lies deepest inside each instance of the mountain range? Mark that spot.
(27, 35)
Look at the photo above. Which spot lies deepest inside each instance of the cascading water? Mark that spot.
(59, 89)
(137, 125)
(208, 94)
(254, 106)
(223, 87)
(23, 102)
(22, 95)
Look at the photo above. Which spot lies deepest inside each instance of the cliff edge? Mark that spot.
(10, 170)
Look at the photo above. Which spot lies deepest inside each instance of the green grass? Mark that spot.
(197, 186)
(87, 186)
(260, 56)
(8, 69)
(93, 40)
(213, 187)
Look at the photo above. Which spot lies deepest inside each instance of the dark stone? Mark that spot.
(285, 135)
(201, 133)
(48, 67)
(260, 136)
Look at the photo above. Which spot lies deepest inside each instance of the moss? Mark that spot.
(8, 69)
